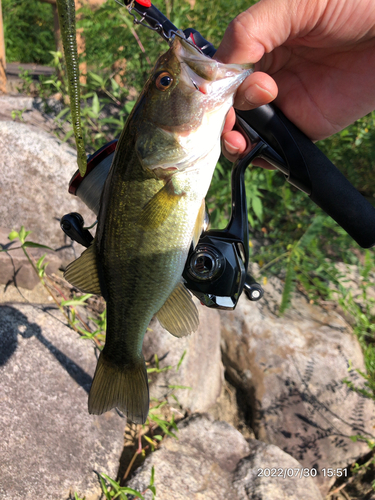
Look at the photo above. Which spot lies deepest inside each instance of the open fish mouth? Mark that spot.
(208, 76)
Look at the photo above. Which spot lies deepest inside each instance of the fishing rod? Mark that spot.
(216, 270)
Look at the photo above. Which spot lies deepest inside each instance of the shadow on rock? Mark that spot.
(14, 323)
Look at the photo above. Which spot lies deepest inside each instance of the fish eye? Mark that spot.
(163, 81)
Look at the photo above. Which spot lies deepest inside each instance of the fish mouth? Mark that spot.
(208, 76)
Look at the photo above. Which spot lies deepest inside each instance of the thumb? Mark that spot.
(263, 27)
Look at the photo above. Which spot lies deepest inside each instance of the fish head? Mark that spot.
(182, 109)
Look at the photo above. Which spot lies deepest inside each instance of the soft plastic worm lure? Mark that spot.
(67, 20)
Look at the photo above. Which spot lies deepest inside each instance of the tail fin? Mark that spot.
(124, 387)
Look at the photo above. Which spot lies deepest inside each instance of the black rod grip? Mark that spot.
(332, 191)
(311, 171)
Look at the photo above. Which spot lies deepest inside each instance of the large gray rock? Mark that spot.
(291, 370)
(208, 462)
(35, 169)
(50, 445)
(201, 369)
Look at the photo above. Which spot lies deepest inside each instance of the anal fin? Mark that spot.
(83, 272)
(179, 314)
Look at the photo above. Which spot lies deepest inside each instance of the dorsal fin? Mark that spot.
(179, 314)
(83, 272)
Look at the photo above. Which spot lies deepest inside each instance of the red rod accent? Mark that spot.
(145, 3)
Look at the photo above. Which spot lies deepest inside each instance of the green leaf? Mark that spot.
(115, 85)
(77, 301)
(312, 231)
(40, 267)
(36, 245)
(97, 78)
(152, 480)
(149, 440)
(13, 235)
(104, 487)
(68, 135)
(175, 398)
(96, 105)
(23, 234)
(125, 490)
(156, 361)
(129, 106)
(181, 360)
(62, 113)
(257, 206)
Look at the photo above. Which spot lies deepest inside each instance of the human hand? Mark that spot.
(317, 57)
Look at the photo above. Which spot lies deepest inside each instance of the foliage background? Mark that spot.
(28, 31)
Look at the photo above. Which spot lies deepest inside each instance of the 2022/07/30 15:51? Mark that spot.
(301, 472)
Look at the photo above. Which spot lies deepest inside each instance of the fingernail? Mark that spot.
(230, 148)
(252, 95)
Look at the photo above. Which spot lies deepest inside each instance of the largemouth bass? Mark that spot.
(152, 209)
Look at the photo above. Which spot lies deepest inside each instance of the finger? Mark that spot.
(258, 89)
(233, 145)
(229, 121)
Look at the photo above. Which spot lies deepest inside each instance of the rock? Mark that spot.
(35, 169)
(37, 295)
(269, 473)
(291, 370)
(31, 110)
(201, 369)
(50, 445)
(212, 460)
(199, 465)
(15, 267)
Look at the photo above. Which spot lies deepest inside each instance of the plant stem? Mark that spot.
(275, 260)
(138, 452)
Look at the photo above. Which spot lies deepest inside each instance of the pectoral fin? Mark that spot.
(161, 205)
(179, 314)
(83, 272)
